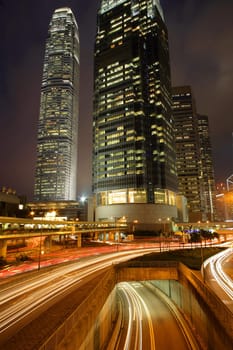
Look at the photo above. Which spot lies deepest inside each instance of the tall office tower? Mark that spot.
(134, 168)
(188, 151)
(56, 167)
(207, 167)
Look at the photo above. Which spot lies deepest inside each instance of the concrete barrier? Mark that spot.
(83, 325)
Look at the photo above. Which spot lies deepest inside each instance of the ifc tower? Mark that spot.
(56, 166)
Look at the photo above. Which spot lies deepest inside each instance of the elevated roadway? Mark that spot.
(215, 275)
(70, 297)
(12, 229)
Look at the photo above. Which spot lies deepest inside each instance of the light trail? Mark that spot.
(135, 306)
(156, 315)
(20, 302)
(215, 264)
(135, 318)
(21, 287)
(129, 329)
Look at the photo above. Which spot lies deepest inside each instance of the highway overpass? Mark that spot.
(84, 315)
(16, 229)
(13, 229)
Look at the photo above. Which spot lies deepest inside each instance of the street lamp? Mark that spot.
(116, 234)
(39, 258)
(82, 199)
(133, 227)
(162, 221)
(160, 234)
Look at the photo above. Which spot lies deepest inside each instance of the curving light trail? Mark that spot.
(215, 266)
(153, 321)
(136, 305)
(20, 301)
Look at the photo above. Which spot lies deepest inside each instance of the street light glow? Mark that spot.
(83, 198)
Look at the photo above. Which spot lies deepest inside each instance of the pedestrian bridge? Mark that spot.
(16, 229)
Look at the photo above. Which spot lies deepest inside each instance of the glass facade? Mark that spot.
(207, 166)
(56, 167)
(133, 147)
(188, 151)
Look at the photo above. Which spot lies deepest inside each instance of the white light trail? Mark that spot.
(216, 267)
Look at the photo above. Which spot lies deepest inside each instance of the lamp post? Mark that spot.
(133, 227)
(117, 233)
(116, 236)
(39, 258)
(160, 234)
(202, 262)
(162, 221)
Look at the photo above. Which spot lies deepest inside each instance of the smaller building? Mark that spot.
(11, 204)
(224, 201)
(64, 210)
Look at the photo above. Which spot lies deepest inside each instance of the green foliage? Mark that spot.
(192, 258)
(146, 233)
(198, 236)
(22, 257)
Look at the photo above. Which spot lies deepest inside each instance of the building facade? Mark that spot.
(224, 200)
(207, 167)
(134, 166)
(12, 204)
(194, 156)
(56, 167)
(58, 210)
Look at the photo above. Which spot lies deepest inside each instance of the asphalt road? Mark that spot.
(151, 322)
(217, 272)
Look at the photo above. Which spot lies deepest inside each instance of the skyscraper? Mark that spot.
(188, 150)
(194, 155)
(56, 167)
(134, 171)
(207, 167)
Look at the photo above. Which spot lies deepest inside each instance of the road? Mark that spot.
(150, 320)
(63, 255)
(22, 299)
(217, 272)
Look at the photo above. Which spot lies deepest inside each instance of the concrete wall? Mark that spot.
(205, 312)
(147, 273)
(84, 328)
(99, 334)
(145, 214)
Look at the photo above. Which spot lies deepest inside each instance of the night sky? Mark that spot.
(201, 52)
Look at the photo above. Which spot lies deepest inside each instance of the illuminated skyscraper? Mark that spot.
(207, 166)
(188, 150)
(56, 167)
(194, 156)
(134, 172)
